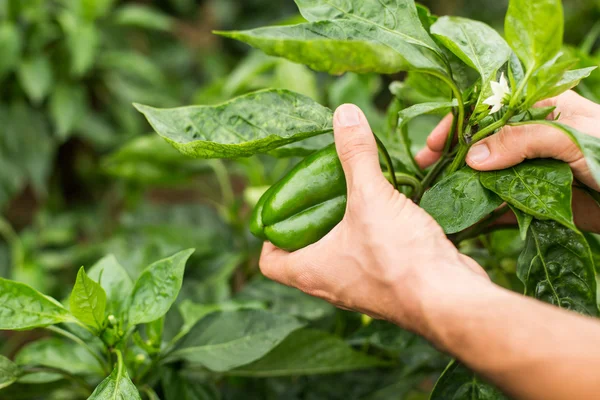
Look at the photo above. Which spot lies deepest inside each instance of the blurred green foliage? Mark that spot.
(80, 177)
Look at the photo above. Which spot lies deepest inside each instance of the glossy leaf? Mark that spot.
(22, 307)
(475, 43)
(117, 386)
(352, 36)
(56, 353)
(459, 383)
(557, 267)
(9, 372)
(541, 188)
(534, 29)
(589, 145)
(459, 201)
(157, 288)
(309, 352)
(247, 125)
(223, 341)
(114, 280)
(88, 301)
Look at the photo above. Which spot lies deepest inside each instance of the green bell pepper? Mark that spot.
(309, 201)
(305, 205)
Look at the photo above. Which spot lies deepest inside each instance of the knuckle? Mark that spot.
(505, 139)
(357, 146)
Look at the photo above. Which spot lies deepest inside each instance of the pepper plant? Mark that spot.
(485, 80)
(126, 331)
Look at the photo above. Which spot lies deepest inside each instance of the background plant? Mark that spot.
(82, 180)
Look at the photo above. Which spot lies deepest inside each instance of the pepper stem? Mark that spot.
(388, 161)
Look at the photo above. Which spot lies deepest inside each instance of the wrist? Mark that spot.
(450, 304)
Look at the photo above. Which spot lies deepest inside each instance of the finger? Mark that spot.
(436, 141)
(427, 157)
(356, 147)
(513, 145)
(274, 263)
(437, 138)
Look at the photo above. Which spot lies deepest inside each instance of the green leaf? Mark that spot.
(398, 142)
(115, 281)
(534, 29)
(22, 307)
(10, 47)
(352, 36)
(524, 220)
(83, 39)
(88, 301)
(556, 82)
(304, 147)
(117, 386)
(67, 105)
(459, 201)
(56, 353)
(557, 267)
(143, 16)
(588, 144)
(177, 386)
(226, 340)
(35, 77)
(541, 188)
(309, 352)
(9, 372)
(285, 300)
(157, 288)
(459, 383)
(247, 125)
(296, 78)
(192, 312)
(407, 114)
(475, 43)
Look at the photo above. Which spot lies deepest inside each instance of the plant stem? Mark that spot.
(150, 393)
(460, 119)
(80, 342)
(463, 149)
(222, 176)
(388, 161)
(431, 176)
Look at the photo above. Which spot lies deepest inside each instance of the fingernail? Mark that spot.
(348, 116)
(479, 153)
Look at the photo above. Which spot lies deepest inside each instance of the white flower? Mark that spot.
(500, 90)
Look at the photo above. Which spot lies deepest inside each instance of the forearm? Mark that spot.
(529, 349)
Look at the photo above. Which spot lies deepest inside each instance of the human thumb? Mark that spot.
(356, 147)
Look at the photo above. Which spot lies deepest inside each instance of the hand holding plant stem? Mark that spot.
(514, 144)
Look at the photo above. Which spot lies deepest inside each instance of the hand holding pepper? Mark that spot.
(385, 254)
(389, 259)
